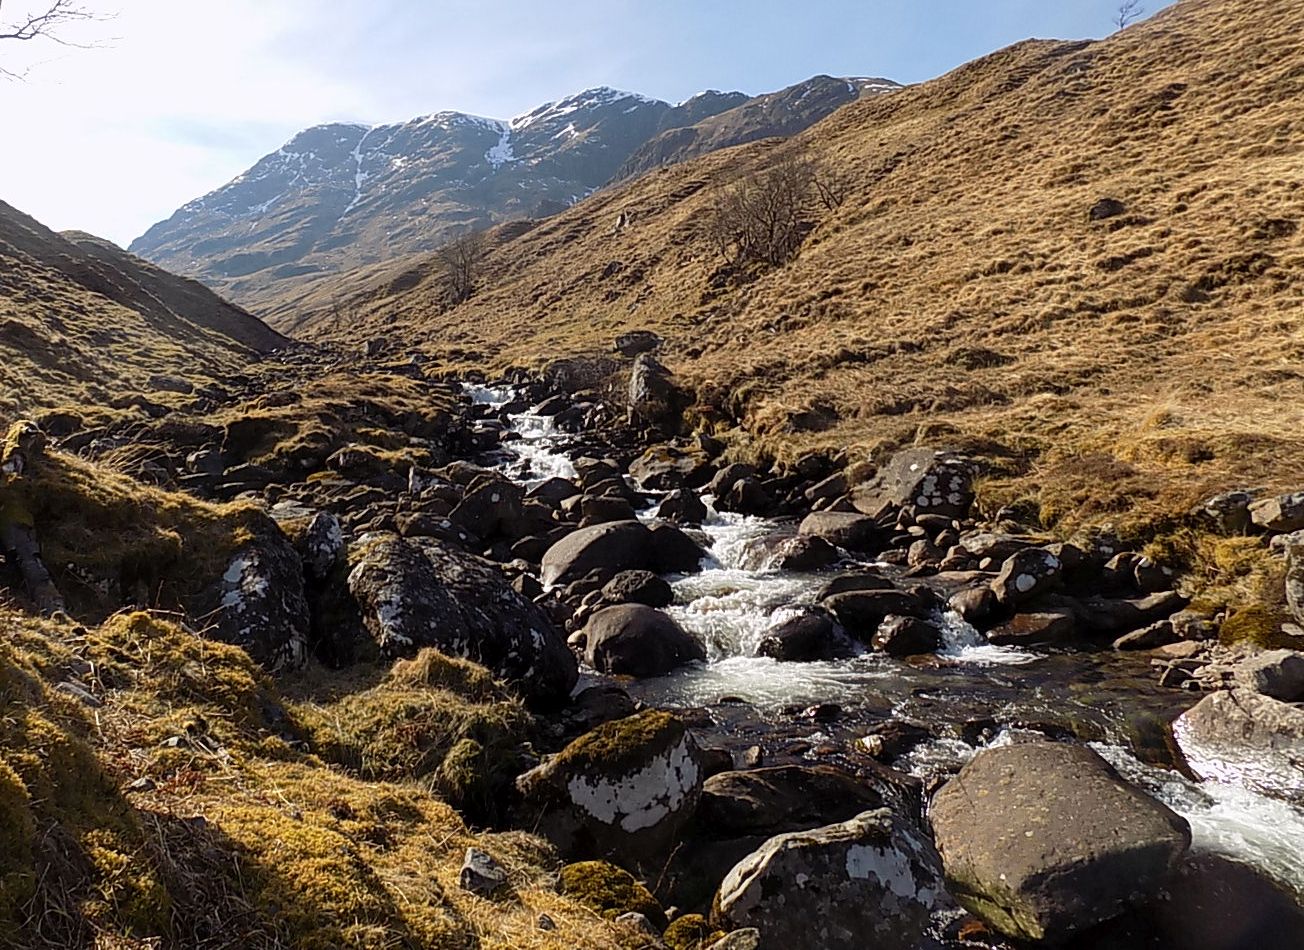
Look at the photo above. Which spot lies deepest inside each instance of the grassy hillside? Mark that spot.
(962, 293)
(83, 322)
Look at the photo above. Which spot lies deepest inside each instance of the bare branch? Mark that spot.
(1129, 11)
(461, 261)
(47, 24)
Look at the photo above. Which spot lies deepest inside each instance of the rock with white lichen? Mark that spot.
(622, 792)
(872, 881)
(922, 480)
(1027, 574)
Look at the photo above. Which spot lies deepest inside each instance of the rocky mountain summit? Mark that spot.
(342, 195)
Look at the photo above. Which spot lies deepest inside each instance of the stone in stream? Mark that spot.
(780, 799)
(1042, 628)
(1110, 617)
(906, 636)
(617, 546)
(977, 605)
(604, 509)
(746, 496)
(1280, 515)
(1148, 638)
(623, 791)
(809, 635)
(674, 552)
(873, 880)
(634, 640)
(638, 587)
(788, 553)
(862, 611)
(846, 529)
(672, 466)
(683, 505)
(1025, 575)
(415, 593)
(1255, 738)
(1042, 840)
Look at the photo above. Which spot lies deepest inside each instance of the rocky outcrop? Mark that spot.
(655, 402)
(635, 640)
(870, 881)
(1042, 840)
(623, 791)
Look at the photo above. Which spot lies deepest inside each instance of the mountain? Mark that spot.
(81, 320)
(1085, 256)
(340, 196)
(782, 113)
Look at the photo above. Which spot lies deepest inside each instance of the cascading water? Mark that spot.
(1115, 697)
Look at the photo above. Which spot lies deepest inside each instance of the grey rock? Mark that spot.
(634, 640)
(618, 546)
(1042, 628)
(1275, 673)
(1042, 840)
(780, 799)
(809, 635)
(654, 399)
(1026, 575)
(930, 481)
(848, 530)
(906, 636)
(481, 874)
(1248, 737)
(1227, 513)
(638, 587)
(1280, 515)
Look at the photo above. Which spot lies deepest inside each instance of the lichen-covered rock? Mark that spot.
(1042, 839)
(1026, 575)
(321, 546)
(870, 881)
(617, 546)
(623, 791)
(416, 593)
(1280, 515)
(928, 481)
(635, 640)
(1227, 512)
(1243, 735)
(259, 603)
(846, 529)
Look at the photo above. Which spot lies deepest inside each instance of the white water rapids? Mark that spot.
(730, 607)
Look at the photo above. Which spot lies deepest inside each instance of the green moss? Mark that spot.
(433, 669)
(1255, 624)
(622, 742)
(609, 891)
(17, 832)
(691, 932)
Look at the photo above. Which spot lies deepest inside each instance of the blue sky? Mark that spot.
(179, 97)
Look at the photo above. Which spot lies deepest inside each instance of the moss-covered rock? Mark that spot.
(610, 891)
(691, 932)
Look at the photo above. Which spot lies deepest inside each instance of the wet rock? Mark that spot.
(634, 640)
(870, 881)
(810, 635)
(1026, 575)
(553, 492)
(1046, 628)
(847, 583)
(828, 490)
(1044, 839)
(654, 399)
(746, 496)
(674, 552)
(780, 799)
(1227, 513)
(683, 505)
(977, 605)
(623, 791)
(848, 530)
(1156, 635)
(259, 603)
(638, 587)
(481, 874)
(929, 481)
(553, 405)
(887, 741)
(1257, 739)
(780, 553)
(426, 593)
(861, 612)
(906, 636)
(1275, 673)
(1280, 515)
(671, 466)
(728, 476)
(618, 546)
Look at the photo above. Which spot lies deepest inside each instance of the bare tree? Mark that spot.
(832, 185)
(1129, 11)
(462, 263)
(763, 218)
(46, 22)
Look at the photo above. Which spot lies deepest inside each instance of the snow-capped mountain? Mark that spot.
(337, 196)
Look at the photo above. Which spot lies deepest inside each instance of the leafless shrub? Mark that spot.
(462, 262)
(47, 22)
(1129, 11)
(762, 218)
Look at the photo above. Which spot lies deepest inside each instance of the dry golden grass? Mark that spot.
(961, 294)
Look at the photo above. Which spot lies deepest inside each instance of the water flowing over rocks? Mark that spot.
(1042, 839)
(635, 640)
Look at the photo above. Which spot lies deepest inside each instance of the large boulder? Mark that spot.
(846, 529)
(1044, 839)
(674, 552)
(1280, 515)
(871, 881)
(784, 798)
(416, 593)
(1026, 575)
(862, 611)
(259, 603)
(489, 508)
(615, 546)
(654, 399)
(1275, 673)
(807, 635)
(1243, 735)
(623, 791)
(634, 640)
(667, 467)
(927, 481)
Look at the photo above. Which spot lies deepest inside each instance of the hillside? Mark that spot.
(963, 291)
(82, 321)
(340, 196)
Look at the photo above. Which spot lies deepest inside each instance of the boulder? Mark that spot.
(616, 546)
(259, 603)
(1026, 575)
(683, 505)
(634, 640)
(1148, 638)
(808, 635)
(1109, 617)
(727, 477)
(1275, 673)
(746, 496)
(998, 547)
(873, 881)
(654, 399)
(789, 553)
(488, 508)
(553, 492)
(671, 466)
(674, 552)
(623, 791)
(604, 509)
(1246, 737)
(906, 636)
(638, 341)
(1295, 577)
(416, 593)
(1227, 513)
(1045, 628)
(977, 605)
(846, 529)
(321, 547)
(638, 587)
(929, 481)
(784, 798)
(1043, 839)
(862, 611)
(1280, 515)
